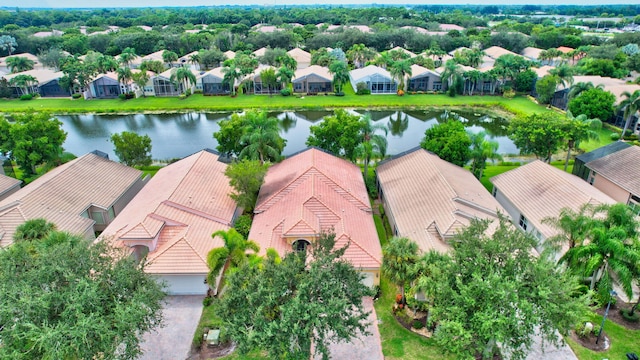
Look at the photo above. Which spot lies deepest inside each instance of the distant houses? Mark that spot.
(47, 83)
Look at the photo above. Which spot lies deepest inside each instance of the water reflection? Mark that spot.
(179, 135)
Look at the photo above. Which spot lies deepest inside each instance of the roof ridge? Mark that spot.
(351, 240)
(335, 183)
(194, 212)
(282, 189)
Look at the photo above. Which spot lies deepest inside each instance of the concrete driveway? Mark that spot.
(363, 347)
(173, 341)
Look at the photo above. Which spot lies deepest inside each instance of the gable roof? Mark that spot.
(367, 71)
(260, 52)
(542, 71)
(449, 27)
(43, 76)
(229, 54)
(539, 190)
(497, 51)
(613, 85)
(531, 52)
(216, 72)
(8, 184)
(317, 70)
(602, 151)
(180, 207)
(300, 55)
(64, 193)
(36, 61)
(417, 71)
(621, 168)
(398, 48)
(311, 192)
(431, 199)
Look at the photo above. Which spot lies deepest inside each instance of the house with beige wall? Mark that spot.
(313, 192)
(81, 197)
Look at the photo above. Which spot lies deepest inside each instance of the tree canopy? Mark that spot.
(293, 308)
(132, 149)
(63, 297)
(595, 103)
(339, 134)
(449, 140)
(246, 177)
(538, 134)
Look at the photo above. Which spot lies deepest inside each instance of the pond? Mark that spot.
(179, 135)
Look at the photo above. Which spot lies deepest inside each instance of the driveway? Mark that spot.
(362, 347)
(173, 341)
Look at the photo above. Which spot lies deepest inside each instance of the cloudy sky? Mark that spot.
(148, 3)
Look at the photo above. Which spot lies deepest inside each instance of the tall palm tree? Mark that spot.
(399, 257)
(288, 62)
(340, 74)
(359, 54)
(232, 74)
(473, 77)
(451, 72)
(140, 79)
(18, 64)
(183, 76)
(24, 83)
(106, 63)
(579, 88)
(195, 59)
(475, 57)
(124, 76)
(399, 70)
(169, 57)
(127, 56)
(372, 145)
(285, 75)
(268, 78)
(230, 256)
(481, 151)
(262, 138)
(630, 106)
(578, 129)
(564, 74)
(573, 227)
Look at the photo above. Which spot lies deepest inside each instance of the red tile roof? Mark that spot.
(179, 209)
(312, 192)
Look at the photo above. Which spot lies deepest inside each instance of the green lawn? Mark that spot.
(604, 139)
(199, 102)
(622, 342)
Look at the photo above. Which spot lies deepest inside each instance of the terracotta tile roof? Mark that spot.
(497, 51)
(539, 190)
(398, 48)
(311, 192)
(179, 209)
(42, 75)
(449, 27)
(613, 85)
(260, 52)
(531, 52)
(300, 55)
(565, 49)
(64, 193)
(542, 71)
(230, 54)
(621, 168)
(7, 184)
(431, 199)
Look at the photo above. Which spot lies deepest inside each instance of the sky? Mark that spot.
(156, 3)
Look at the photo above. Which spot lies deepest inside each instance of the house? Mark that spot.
(260, 52)
(260, 87)
(164, 86)
(417, 29)
(423, 79)
(617, 175)
(531, 53)
(428, 200)
(537, 190)
(171, 220)
(265, 28)
(47, 83)
(155, 56)
(313, 192)
(8, 186)
(405, 51)
(145, 27)
(376, 79)
(312, 80)
(230, 54)
(362, 28)
(81, 197)
(495, 52)
(302, 58)
(212, 82)
(186, 61)
(5, 68)
(542, 71)
(105, 86)
(579, 167)
(450, 27)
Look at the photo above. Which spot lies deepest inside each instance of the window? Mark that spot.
(523, 222)
(494, 191)
(592, 177)
(98, 217)
(437, 85)
(300, 245)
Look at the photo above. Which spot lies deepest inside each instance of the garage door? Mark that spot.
(185, 284)
(368, 279)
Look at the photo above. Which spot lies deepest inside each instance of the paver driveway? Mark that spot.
(173, 341)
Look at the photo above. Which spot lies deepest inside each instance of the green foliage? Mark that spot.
(34, 229)
(545, 88)
(480, 298)
(524, 80)
(594, 103)
(32, 138)
(26, 97)
(362, 89)
(246, 177)
(615, 136)
(132, 149)
(228, 137)
(243, 225)
(111, 297)
(399, 257)
(283, 304)
(630, 316)
(481, 151)
(76, 96)
(285, 92)
(339, 134)
(231, 256)
(538, 134)
(449, 140)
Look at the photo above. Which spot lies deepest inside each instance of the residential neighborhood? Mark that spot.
(320, 181)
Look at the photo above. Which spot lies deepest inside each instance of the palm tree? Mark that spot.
(183, 76)
(581, 87)
(630, 105)
(285, 75)
(169, 57)
(288, 62)
(24, 83)
(475, 57)
(481, 151)
(262, 138)
(195, 59)
(573, 227)
(140, 79)
(268, 78)
(127, 56)
(372, 145)
(18, 64)
(232, 74)
(340, 74)
(399, 70)
(359, 54)
(451, 72)
(124, 76)
(231, 256)
(580, 128)
(473, 77)
(564, 74)
(34, 229)
(399, 257)
(610, 253)
(106, 63)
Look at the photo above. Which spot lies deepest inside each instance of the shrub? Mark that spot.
(400, 92)
(285, 92)
(243, 225)
(182, 96)
(26, 97)
(122, 97)
(626, 314)
(615, 136)
(372, 188)
(187, 92)
(417, 324)
(362, 89)
(340, 93)
(197, 91)
(207, 301)
(632, 137)
(76, 96)
(509, 94)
